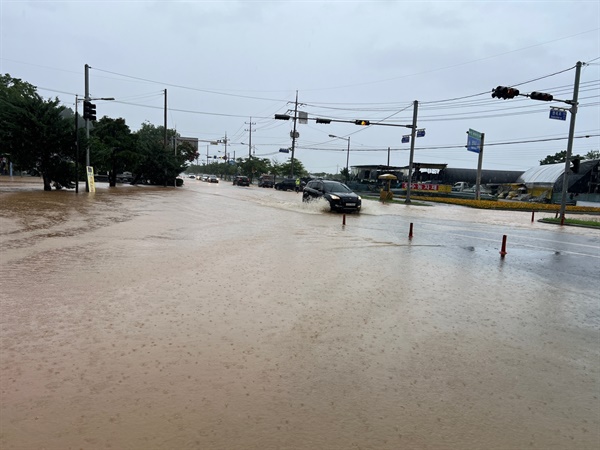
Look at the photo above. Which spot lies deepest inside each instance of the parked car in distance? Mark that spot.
(286, 184)
(339, 196)
(241, 180)
(212, 179)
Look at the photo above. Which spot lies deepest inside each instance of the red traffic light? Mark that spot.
(541, 96)
(504, 92)
(362, 122)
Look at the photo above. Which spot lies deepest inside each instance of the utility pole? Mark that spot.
(294, 133)
(87, 127)
(165, 118)
(76, 147)
(250, 137)
(413, 135)
(574, 103)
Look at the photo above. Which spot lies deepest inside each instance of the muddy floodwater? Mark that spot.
(214, 316)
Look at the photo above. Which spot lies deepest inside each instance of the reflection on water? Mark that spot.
(215, 316)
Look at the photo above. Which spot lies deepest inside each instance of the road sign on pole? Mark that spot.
(558, 113)
(473, 141)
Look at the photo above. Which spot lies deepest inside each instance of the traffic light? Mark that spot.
(575, 167)
(89, 110)
(362, 122)
(541, 96)
(323, 120)
(504, 92)
(282, 117)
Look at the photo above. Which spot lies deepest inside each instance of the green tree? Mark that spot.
(559, 157)
(254, 167)
(299, 170)
(34, 133)
(114, 148)
(593, 154)
(157, 163)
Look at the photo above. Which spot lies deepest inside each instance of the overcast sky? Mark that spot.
(226, 64)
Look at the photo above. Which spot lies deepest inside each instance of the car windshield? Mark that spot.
(335, 187)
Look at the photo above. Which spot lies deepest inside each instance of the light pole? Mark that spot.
(347, 153)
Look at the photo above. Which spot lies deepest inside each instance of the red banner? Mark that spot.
(422, 186)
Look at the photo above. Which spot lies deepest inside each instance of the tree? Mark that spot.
(35, 134)
(299, 170)
(157, 163)
(593, 154)
(559, 157)
(253, 166)
(114, 148)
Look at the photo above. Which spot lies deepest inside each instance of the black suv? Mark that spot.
(339, 196)
(286, 184)
(241, 180)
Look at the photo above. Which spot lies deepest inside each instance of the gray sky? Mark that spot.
(223, 62)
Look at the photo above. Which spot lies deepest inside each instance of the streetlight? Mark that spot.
(347, 153)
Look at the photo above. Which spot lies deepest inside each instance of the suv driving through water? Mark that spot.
(339, 196)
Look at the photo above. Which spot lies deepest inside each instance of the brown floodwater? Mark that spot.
(222, 317)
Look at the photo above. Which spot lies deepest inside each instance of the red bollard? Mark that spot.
(344, 220)
(532, 215)
(410, 231)
(503, 251)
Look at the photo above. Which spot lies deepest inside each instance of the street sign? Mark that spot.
(421, 132)
(284, 150)
(473, 141)
(405, 139)
(558, 113)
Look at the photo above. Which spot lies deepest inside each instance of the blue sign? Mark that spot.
(284, 150)
(421, 132)
(558, 114)
(405, 139)
(473, 141)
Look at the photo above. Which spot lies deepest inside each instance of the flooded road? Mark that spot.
(224, 317)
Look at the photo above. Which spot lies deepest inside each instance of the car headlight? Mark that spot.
(359, 197)
(334, 197)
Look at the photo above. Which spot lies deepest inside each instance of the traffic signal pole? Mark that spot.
(413, 135)
(87, 127)
(294, 133)
(563, 200)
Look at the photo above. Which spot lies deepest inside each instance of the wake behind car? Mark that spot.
(241, 180)
(339, 196)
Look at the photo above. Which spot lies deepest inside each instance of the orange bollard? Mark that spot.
(410, 231)
(503, 251)
(344, 220)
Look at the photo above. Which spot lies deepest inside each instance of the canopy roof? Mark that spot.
(548, 173)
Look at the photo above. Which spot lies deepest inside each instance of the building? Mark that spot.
(547, 181)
